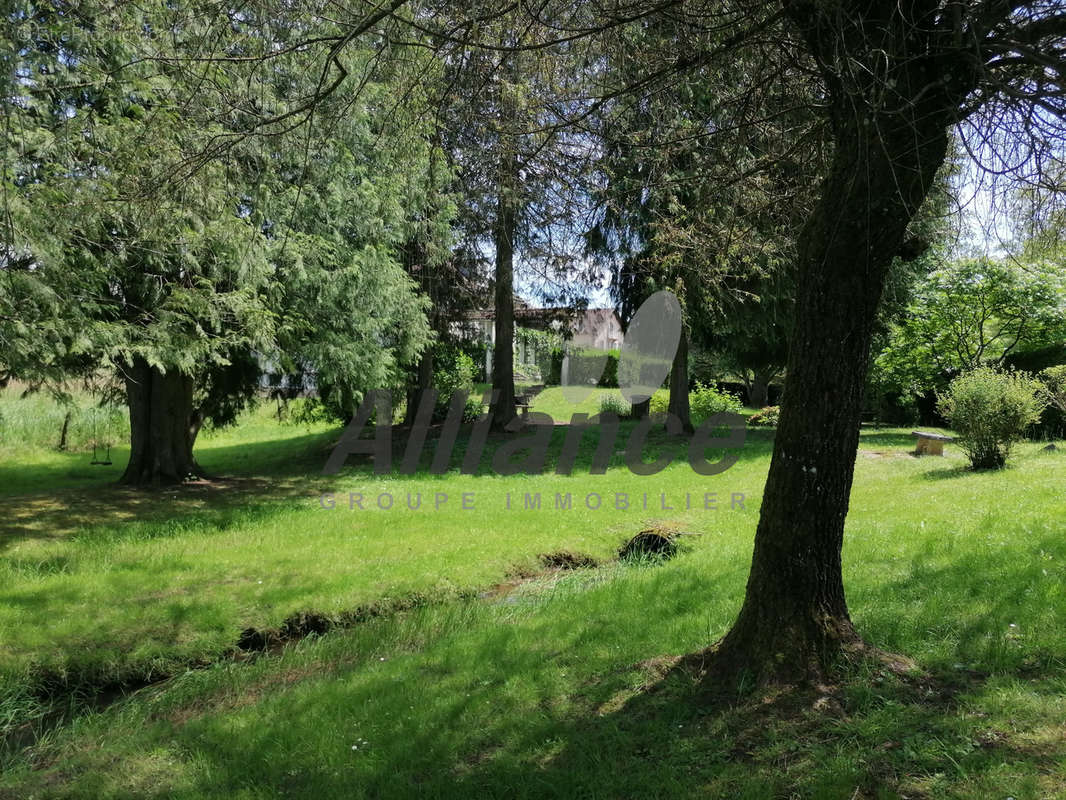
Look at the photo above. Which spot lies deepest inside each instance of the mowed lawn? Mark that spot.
(486, 675)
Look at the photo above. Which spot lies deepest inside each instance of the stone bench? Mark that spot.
(930, 444)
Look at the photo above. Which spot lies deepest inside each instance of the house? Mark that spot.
(595, 328)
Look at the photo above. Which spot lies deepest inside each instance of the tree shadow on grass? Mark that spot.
(669, 740)
(263, 474)
(875, 736)
(1005, 610)
(947, 473)
(115, 509)
(291, 456)
(483, 716)
(266, 474)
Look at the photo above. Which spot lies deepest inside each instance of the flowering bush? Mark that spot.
(765, 417)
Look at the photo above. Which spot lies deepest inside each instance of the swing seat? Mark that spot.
(97, 444)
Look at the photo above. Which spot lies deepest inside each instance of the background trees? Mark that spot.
(519, 174)
(704, 180)
(183, 275)
(356, 214)
(159, 284)
(970, 313)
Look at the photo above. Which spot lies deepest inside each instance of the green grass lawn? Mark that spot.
(473, 682)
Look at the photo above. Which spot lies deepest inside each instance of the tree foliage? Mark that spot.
(970, 313)
(129, 252)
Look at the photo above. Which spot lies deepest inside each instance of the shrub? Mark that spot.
(706, 401)
(991, 410)
(306, 411)
(660, 402)
(1054, 386)
(552, 368)
(454, 372)
(474, 409)
(765, 417)
(546, 347)
(609, 379)
(615, 404)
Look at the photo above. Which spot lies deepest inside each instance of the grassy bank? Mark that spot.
(566, 684)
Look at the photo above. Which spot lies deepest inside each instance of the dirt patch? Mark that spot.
(254, 640)
(304, 624)
(564, 559)
(874, 454)
(313, 623)
(655, 669)
(652, 544)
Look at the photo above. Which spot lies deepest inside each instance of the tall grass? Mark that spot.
(36, 421)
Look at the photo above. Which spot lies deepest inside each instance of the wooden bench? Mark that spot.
(524, 399)
(930, 444)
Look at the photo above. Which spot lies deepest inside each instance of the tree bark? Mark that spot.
(795, 622)
(423, 383)
(759, 390)
(506, 223)
(163, 426)
(63, 433)
(679, 404)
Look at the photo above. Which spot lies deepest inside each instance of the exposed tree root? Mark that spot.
(791, 660)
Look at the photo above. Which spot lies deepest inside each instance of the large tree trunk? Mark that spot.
(795, 622)
(759, 389)
(503, 348)
(506, 223)
(679, 405)
(163, 426)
